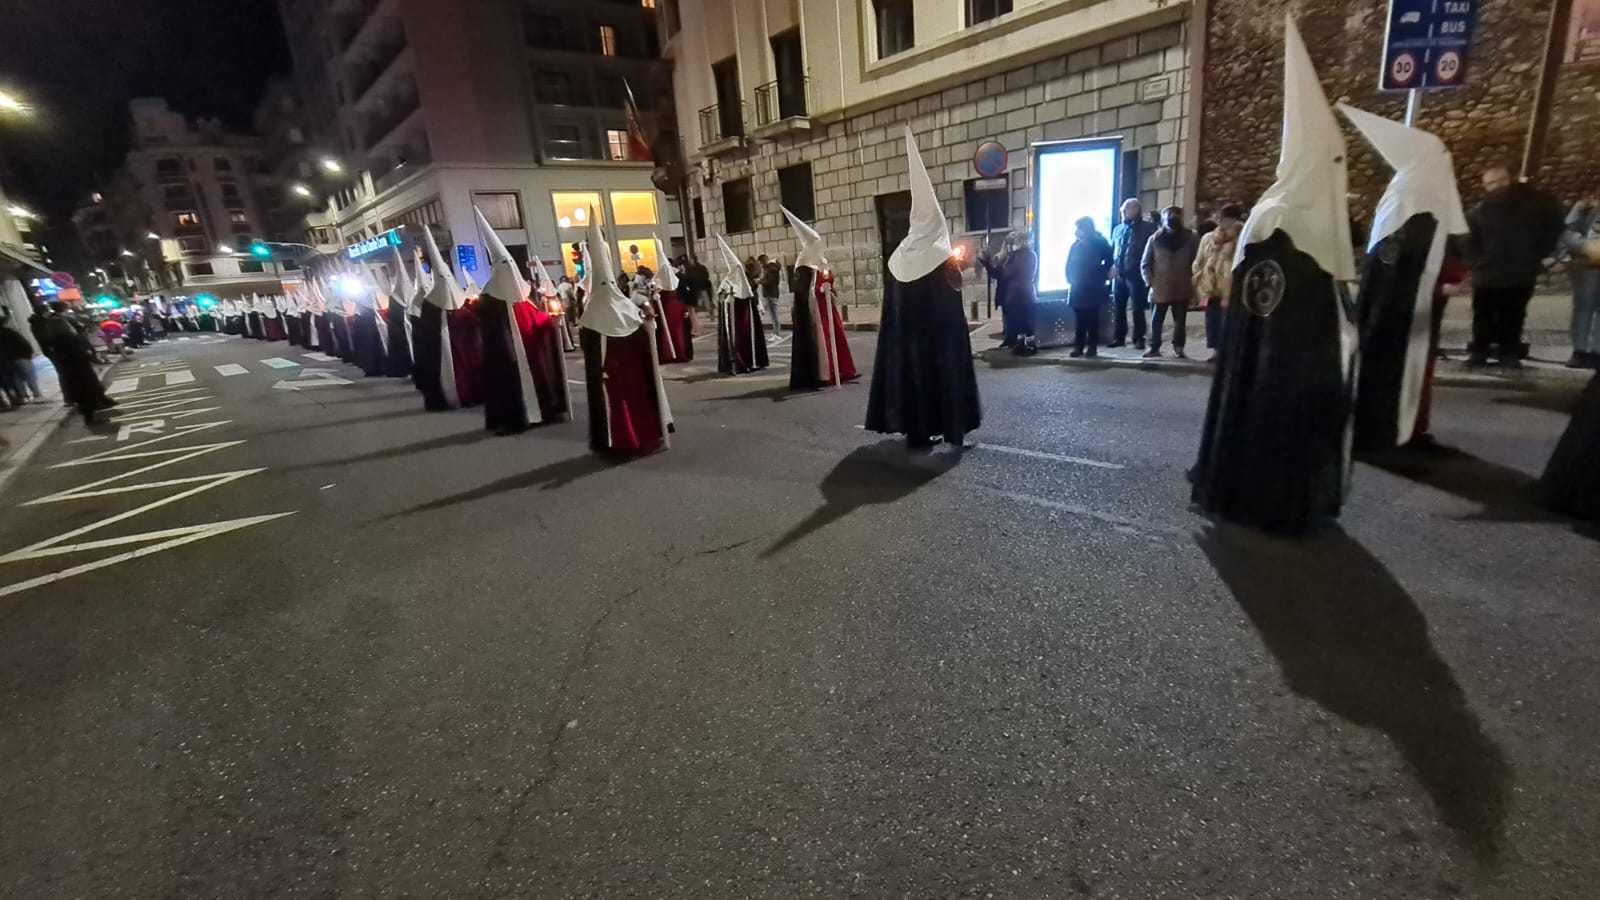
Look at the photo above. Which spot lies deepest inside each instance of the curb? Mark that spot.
(1530, 380)
(13, 462)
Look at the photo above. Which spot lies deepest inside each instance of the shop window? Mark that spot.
(794, 188)
(896, 28)
(633, 253)
(634, 208)
(503, 209)
(738, 206)
(988, 205)
(572, 208)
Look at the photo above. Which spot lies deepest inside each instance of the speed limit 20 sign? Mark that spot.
(1427, 44)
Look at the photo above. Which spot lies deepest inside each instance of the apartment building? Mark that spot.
(417, 110)
(182, 208)
(803, 103)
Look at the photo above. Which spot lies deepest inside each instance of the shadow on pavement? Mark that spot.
(1348, 636)
(439, 443)
(1506, 494)
(1552, 397)
(363, 420)
(552, 477)
(885, 472)
(777, 394)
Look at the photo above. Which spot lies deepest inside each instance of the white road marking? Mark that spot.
(231, 369)
(10, 465)
(117, 454)
(1053, 457)
(577, 382)
(123, 386)
(176, 378)
(312, 378)
(91, 438)
(154, 426)
(278, 362)
(320, 357)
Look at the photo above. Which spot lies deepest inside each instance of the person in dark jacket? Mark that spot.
(1513, 230)
(1128, 241)
(1088, 267)
(994, 263)
(69, 349)
(1021, 277)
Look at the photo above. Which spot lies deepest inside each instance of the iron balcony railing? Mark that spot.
(779, 100)
(720, 122)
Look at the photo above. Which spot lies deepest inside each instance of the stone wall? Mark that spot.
(1135, 86)
(1484, 123)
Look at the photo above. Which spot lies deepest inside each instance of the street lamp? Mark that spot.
(152, 236)
(127, 252)
(224, 248)
(9, 103)
(301, 190)
(20, 212)
(331, 165)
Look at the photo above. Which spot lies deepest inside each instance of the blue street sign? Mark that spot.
(1427, 44)
(467, 257)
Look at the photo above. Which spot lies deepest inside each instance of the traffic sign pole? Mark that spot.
(1413, 106)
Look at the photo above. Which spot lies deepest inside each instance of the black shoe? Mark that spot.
(1139, 344)
(1577, 361)
(1076, 354)
(1092, 352)
(1115, 344)
(1477, 361)
(1006, 345)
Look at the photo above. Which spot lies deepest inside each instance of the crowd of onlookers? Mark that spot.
(1153, 270)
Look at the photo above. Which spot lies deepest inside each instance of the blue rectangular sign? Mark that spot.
(1427, 44)
(466, 257)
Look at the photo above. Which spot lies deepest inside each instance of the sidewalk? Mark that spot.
(1546, 333)
(24, 430)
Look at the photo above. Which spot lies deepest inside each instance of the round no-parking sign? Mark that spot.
(990, 160)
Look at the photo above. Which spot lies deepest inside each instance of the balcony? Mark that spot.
(722, 127)
(389, 117)
(379, 64)
(783, 107)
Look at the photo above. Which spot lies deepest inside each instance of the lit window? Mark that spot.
(608, 40)
(635, 252)
(572, 208)
(617, 145)
(187, 218)
(238, 218)
(649, 4)
(634, 207)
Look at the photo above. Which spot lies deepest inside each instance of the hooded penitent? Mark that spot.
(821, 357)
(923, 383)
(525, 380)
(628, 410)
(1274, 451)
(674, 340)
(395, 324)
(435, 370)
(741, 338)
(1416, 215)
(366, 326)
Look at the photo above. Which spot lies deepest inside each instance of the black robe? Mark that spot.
(343, 347)
(1571, 481)
(397, 364)
(811, 367)
(432, 369)
(367, 343)
(1388, 309)
(254, 327)
(520, 389)
(1272, 453)
(322, 325)
(923, 382)
(741, 339)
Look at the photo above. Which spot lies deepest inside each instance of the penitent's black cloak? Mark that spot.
(1394, 340)
(923, 382)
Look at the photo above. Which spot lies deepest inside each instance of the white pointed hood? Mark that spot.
(734, 279)
(445, 293)
(404, 290)
(666, 276)
(424, 283)
(607, 309)
(547, 285)
(812, 247)
(505, 280)
(927, 245)
(1309, 200)
(1424, 176)
(470, 287)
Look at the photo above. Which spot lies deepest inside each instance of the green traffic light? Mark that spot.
(261, 250)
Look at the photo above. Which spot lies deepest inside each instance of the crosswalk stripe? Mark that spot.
(321, 357)
(231, 369)
(124, 386)
(176, 378)
(278, 362)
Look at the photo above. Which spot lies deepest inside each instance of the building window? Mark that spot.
(788, 63)
(608, 40)
(503, 209)
(169, 165)
(544, 31)
(555, 88)
(572, 208)
(896, 33)
(251, 267)
(238, 217)
(192, 244)
(178, 193)
(636, 252)
(794, 188)
(730, 118)
(187, 219)
(199, 268)
(698, 210)
(230, 193)
(565, 142)
(634, 208)
(984, 10)
(617, 145)
(988, 205)
(611, 91)
(648, 4)
(738, 206)
(222, 164)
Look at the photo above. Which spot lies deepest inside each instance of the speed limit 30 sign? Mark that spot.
(1427, 44)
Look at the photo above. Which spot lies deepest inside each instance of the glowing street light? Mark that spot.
(9, 103)
(127, 252)
(20, 212)
(301, 190)
(331, 165)
(152, 236)
(224, 248)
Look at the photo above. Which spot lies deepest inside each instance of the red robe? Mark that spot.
(674, 343)
(541, 343)
(628, 413)
(466, 350)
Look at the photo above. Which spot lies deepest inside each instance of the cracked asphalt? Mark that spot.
(784, 659)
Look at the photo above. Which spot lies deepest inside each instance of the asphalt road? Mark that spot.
(346, 648)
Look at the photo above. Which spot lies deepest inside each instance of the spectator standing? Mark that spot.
(1088, 271)
(1513, 229)
(1021, 276)
(1582, 241)
(1128, 241)
(16, 366)
(995, 264)
(1213, 272)
(1168, 268)
(771, 291)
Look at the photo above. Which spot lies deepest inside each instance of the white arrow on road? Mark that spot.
(311, 378)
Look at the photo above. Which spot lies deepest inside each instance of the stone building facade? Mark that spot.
(1133, 86)
(1487, 122)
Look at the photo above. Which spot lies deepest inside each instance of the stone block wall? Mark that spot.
(1485, 123)
(1135, 87)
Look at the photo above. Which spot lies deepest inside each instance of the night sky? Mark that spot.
(79, 62)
